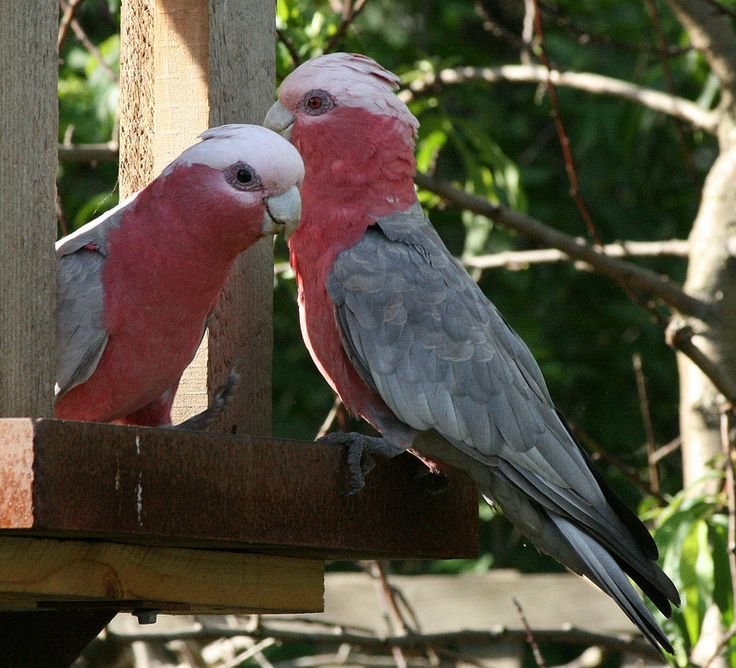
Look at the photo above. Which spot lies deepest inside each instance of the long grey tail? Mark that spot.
(602, 569)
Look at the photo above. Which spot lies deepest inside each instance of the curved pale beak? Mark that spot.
(282, 212)
(279, 119)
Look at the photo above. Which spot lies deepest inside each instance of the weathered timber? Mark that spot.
(196, 489)
(38, 573)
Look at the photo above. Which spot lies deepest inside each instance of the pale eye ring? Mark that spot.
(316, 102)
(242, 176)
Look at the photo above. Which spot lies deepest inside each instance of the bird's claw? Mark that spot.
(220, 401)
(359, 455)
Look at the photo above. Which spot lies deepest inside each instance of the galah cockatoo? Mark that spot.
(411, 344)
(136, 285)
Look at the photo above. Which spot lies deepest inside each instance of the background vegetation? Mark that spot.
(640, 176)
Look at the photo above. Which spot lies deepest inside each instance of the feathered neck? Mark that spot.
(359, 166)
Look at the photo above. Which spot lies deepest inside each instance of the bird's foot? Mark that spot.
(220, 401)
(359, 454)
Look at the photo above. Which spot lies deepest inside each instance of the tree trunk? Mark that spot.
(711, 276)
(711, 269)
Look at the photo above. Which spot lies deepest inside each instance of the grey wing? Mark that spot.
(422, 333)
(80, 333)
(81, 336)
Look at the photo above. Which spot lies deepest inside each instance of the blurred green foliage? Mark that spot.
(640, 175)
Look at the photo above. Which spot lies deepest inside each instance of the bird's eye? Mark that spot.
(242, 176)
(317, 102)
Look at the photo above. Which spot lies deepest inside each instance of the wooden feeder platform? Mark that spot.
(96, 519)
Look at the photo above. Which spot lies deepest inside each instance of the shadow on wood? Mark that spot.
(178, 489)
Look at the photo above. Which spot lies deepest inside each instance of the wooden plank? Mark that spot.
(242, 75)
(135, 104)
(28, 127)
(476, 602)
(47, 573)
(182, 489)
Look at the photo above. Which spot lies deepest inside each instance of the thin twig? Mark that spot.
(88, 153)
(584, 36)
(666, 450)
(495, 28)
(564, 140)
(81, 35)
(633, 475)
(680, 337)
(249, 653)
(646, 417)
(567, 635)
(728, 636)
(518, 260)
(66, 19)
(639, 278)
(395, 620)
(351, 9)
(290, 47)
(598, 84)
(670, 85)
(538, 658)
(721, 8)
(528, 31)
(330, 418)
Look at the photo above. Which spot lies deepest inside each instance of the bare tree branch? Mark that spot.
(107, 152)
(332, 636)
(680, 337)
(350, 11)
(646, 418)
(636, 277)
(572, 175)
(593, 83)
(713, 34)
(81, 35)
(517, 260)
(66, 19)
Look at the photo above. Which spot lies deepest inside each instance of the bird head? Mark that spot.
(248, 166)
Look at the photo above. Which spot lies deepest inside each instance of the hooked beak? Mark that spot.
(282, 212)
(279, 119)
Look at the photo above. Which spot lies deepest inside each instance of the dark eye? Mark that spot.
(242, 176)
(317, 102)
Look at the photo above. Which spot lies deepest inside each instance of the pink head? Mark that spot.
(241, 169)
(341, 111)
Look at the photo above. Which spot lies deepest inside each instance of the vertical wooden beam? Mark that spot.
(242, 75)
(136, 98)
(205, 63)
(28, 162)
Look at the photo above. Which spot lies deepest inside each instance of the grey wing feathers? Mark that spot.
(80, 333)
(441, 356)
(424, 336)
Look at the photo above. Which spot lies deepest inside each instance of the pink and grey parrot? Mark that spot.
(136, 285)
(411, 344)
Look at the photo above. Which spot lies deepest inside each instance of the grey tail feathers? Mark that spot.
(605, 571)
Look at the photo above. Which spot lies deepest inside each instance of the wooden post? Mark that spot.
(203, 64)
(28, 138)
